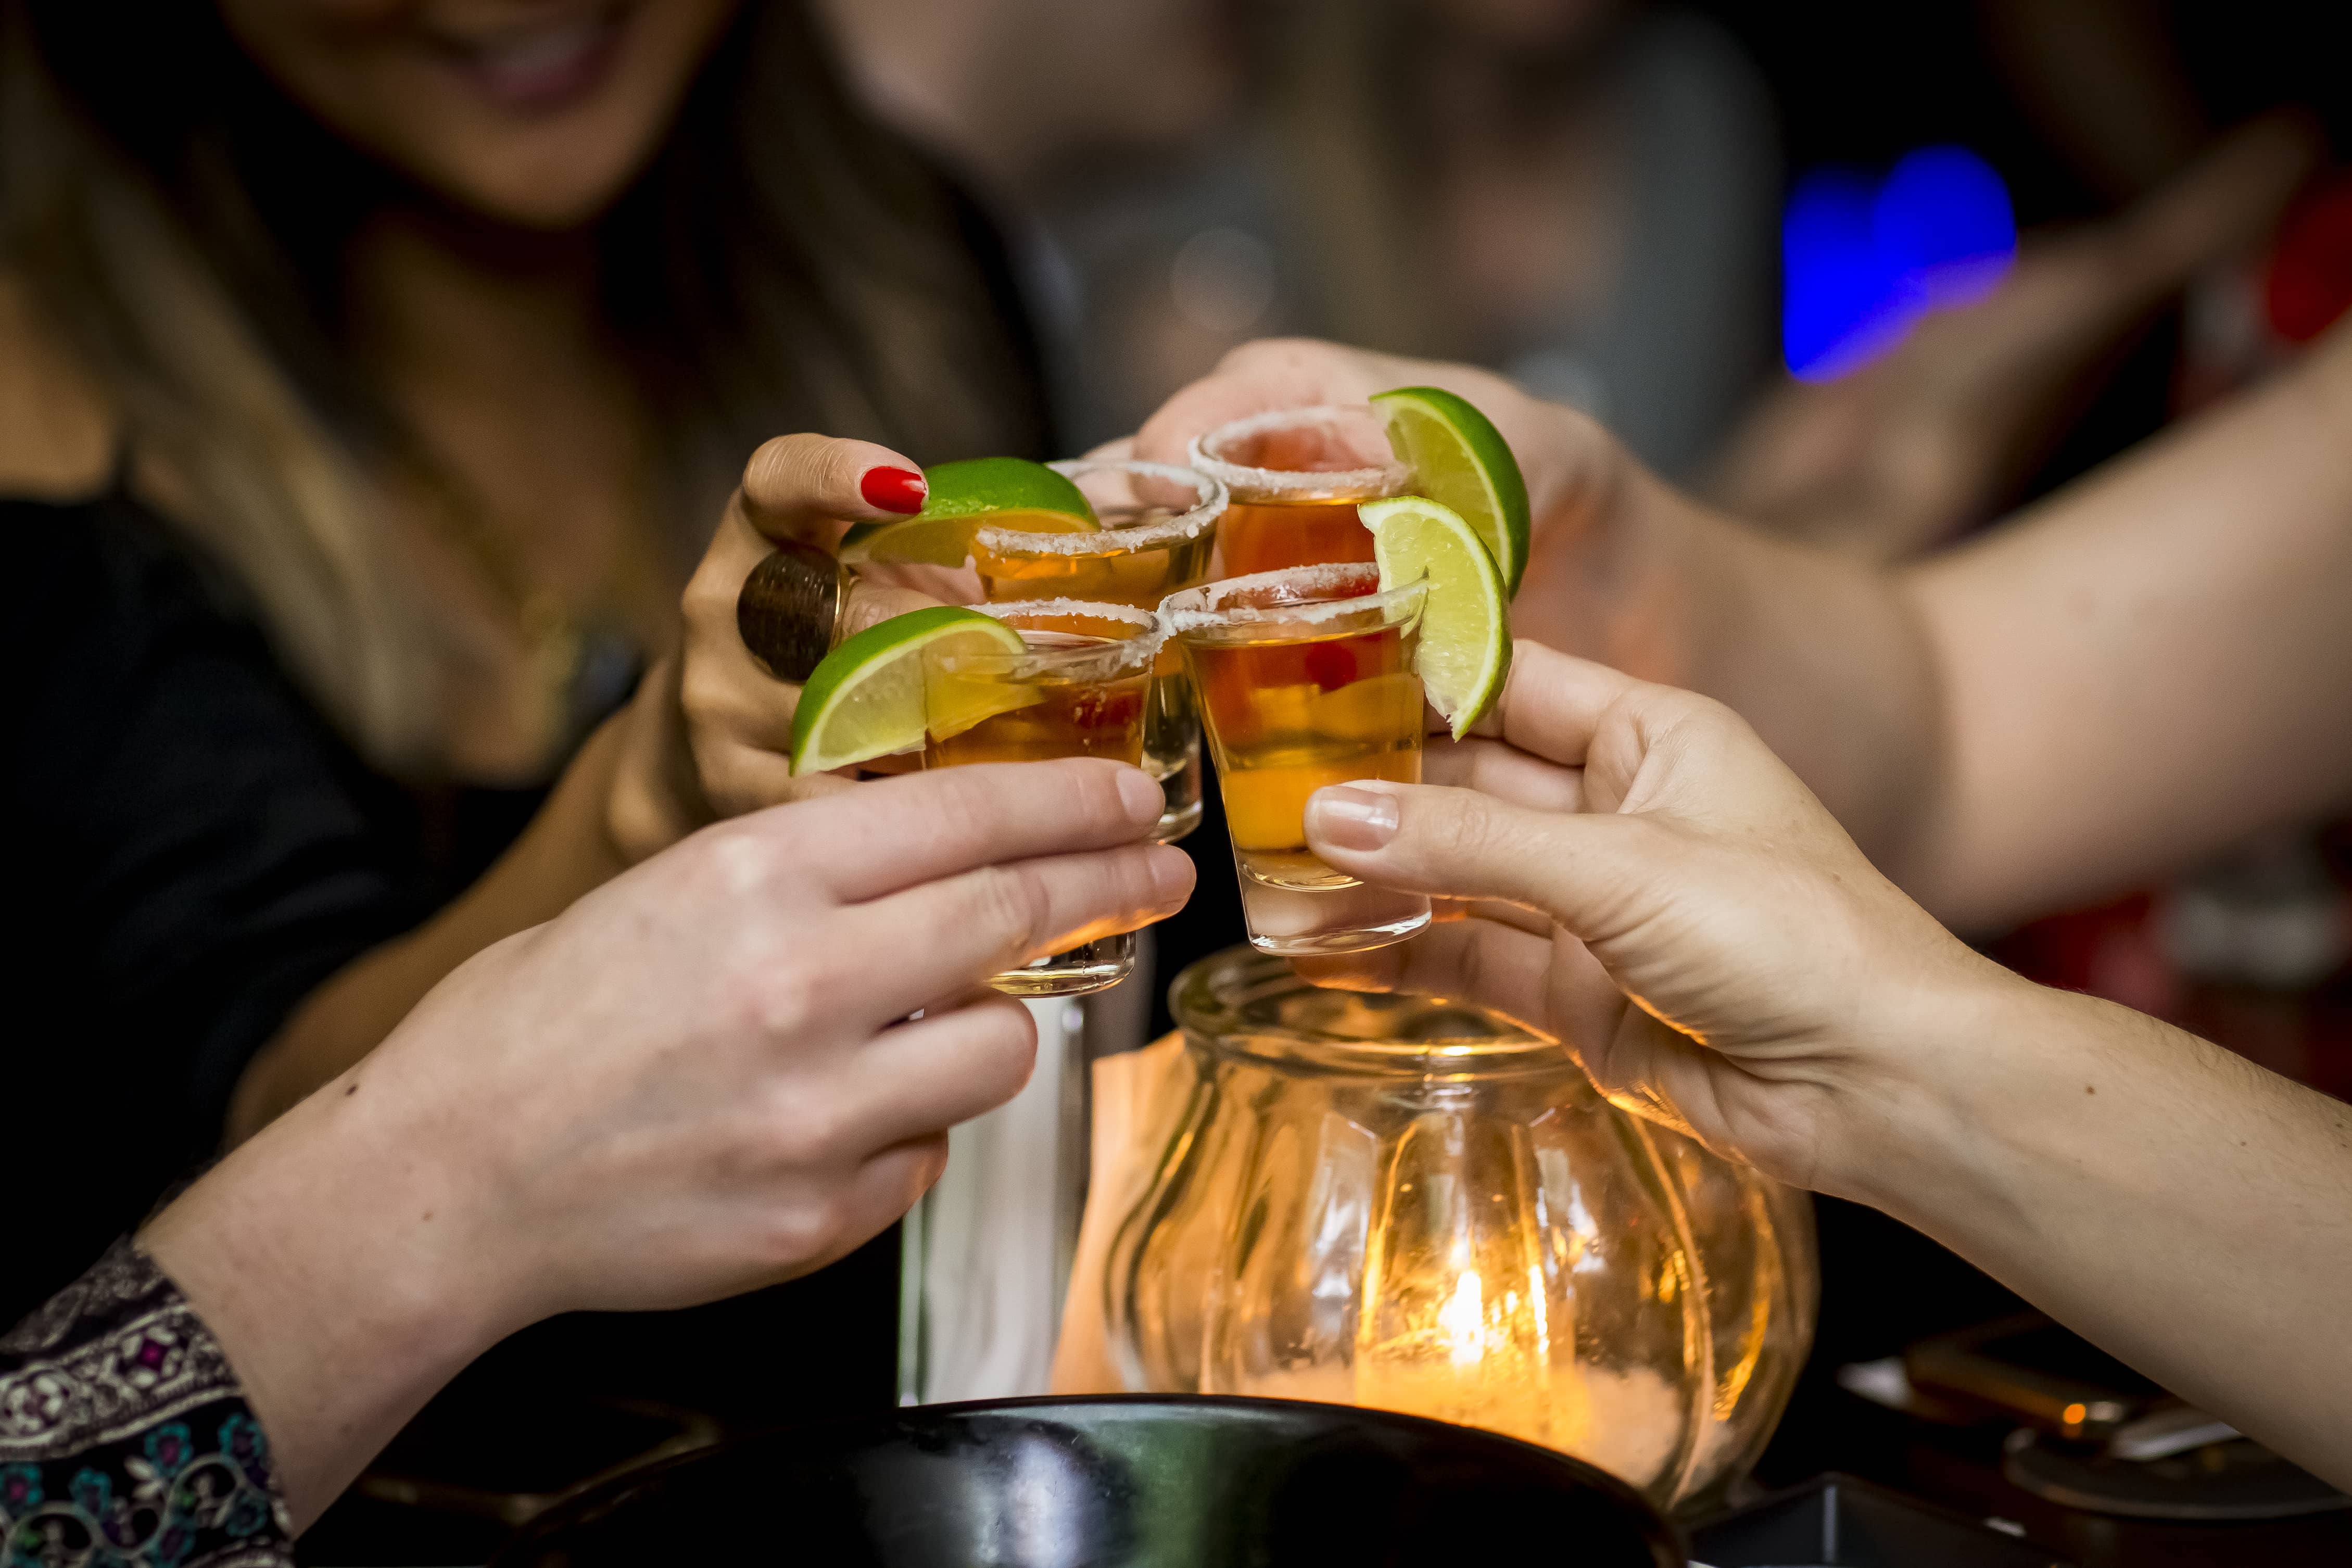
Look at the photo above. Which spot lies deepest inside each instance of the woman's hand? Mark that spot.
(708, 735)
(698, 1080)
(711, 733)
(1607, 575)
(736, 1100)
(1660, 893)
(1671, 902)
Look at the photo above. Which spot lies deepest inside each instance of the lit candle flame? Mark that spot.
(1463, 1319)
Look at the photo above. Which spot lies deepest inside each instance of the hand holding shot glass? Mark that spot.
(1031, 681)
(1158, 525)
(1316, 673)
(1079, 686)
(1106, 530)
(1310, 674)
(1306, 677)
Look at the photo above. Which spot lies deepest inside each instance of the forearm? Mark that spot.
(2152, 665)
(1825, 655)
(332, 1271)
(2183, 1208)
(567, 849)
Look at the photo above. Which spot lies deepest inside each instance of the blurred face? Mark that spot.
(536, 112)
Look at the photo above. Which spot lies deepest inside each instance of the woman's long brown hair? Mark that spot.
(783, 264)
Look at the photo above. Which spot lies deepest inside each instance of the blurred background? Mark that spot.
(1869, 274)
(1868, 277)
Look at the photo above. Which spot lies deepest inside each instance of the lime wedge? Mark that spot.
(1458, 457)
(1001, 493)
(865, 698)
(1466, 627)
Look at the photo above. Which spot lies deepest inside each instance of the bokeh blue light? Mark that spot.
(1862, 259)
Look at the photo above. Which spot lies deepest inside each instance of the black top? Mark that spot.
(191, 851)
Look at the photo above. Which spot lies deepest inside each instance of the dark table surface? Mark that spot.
(1959, 1468)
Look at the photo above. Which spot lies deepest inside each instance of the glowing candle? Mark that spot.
(1459, 1321)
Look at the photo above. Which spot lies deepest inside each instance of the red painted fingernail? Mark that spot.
(893, 489)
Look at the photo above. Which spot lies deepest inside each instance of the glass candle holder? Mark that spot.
(1415, 1205)
(1305, 679)
(1079, 687)
(1159, 527)
(1295, 476)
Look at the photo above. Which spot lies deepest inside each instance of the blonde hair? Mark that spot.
(781, 265)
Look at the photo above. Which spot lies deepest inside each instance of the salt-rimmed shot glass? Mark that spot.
(1159, 526)
(1305, 679)
(1079, 687)
(1295, 476)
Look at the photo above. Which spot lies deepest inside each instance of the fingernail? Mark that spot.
(1144, 799)
(1351, 818)
(893, 489)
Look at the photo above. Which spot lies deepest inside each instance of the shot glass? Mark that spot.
(1305, 679)
(1159, 525)
(1078, 689)
(1295, 476)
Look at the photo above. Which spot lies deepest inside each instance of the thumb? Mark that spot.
(806, 486)
(1588, 871)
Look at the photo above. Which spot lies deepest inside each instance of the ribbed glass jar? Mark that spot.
(1418, 1205)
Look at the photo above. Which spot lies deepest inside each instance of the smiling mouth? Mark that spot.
(543, 67)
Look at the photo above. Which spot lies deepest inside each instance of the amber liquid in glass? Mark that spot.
(1271, 538)
(1289, 717)
(1054, 718)
(1043, 715)
(1171, 725)
(1114, 575)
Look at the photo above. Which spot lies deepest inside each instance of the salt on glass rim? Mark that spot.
(1279, 485)
(1199, 609)
(1087, 663)
(1169, 531)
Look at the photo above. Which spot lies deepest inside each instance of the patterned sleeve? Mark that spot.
(124, 1436)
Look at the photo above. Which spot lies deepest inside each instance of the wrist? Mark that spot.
(1925, 1074)
(343, 1283)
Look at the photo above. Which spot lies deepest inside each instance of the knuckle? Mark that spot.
(774, 463)
(1013, 904)
(1464, 830)
(798, 998)
(799, 1233)
(804, 466)
(702, 695)
(736, 861)
(969, 798)
(700, 596)
(805, 1129)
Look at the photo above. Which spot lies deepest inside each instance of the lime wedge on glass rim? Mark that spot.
(865, 698)
(1460, 460)
(1000, 492)
(1465, 625)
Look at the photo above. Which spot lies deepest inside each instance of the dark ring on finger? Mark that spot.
(790, 609)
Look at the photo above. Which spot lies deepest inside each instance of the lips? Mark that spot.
(541, 67)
